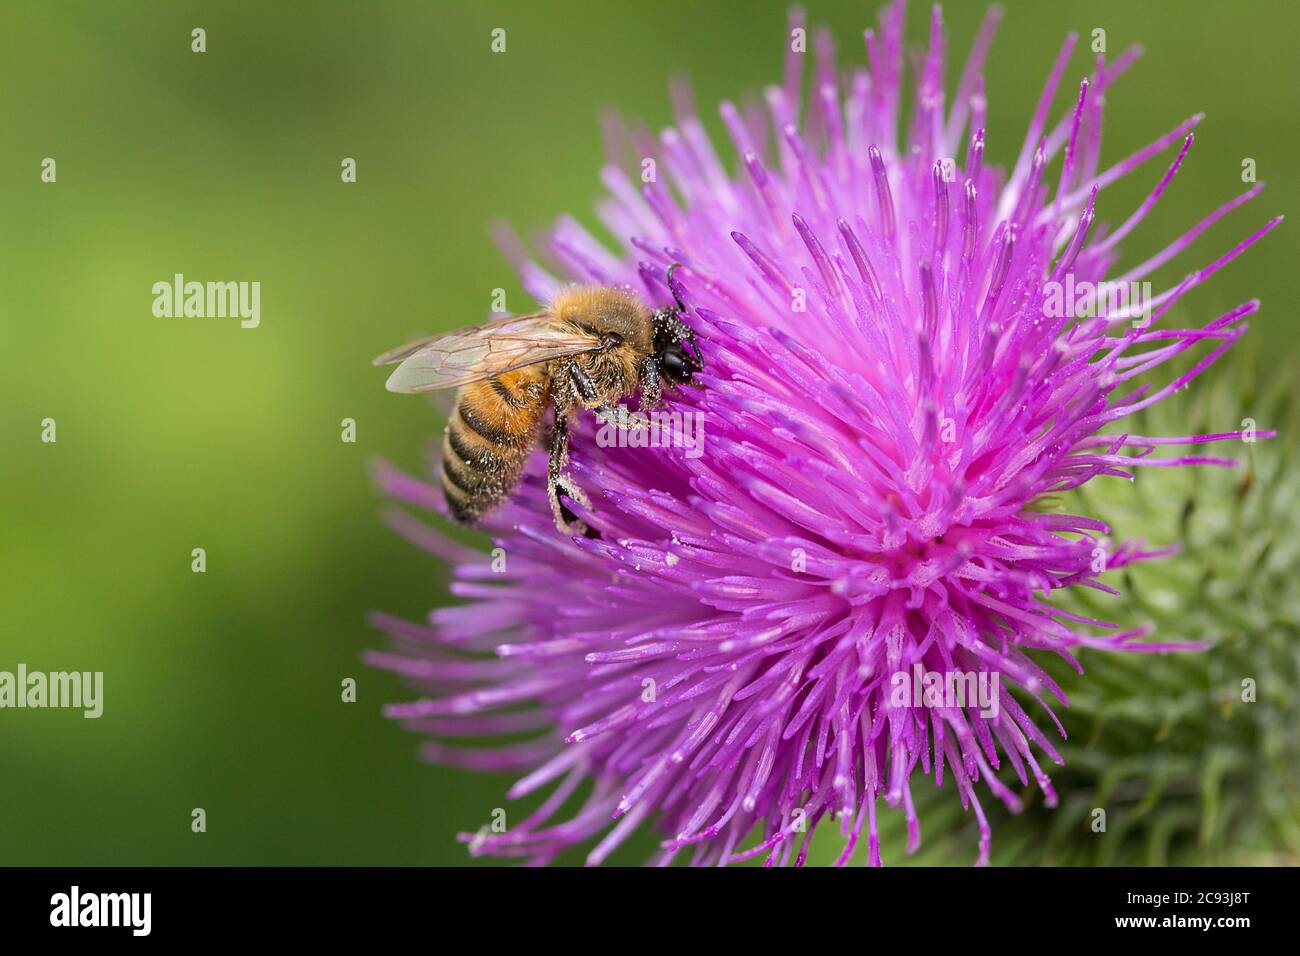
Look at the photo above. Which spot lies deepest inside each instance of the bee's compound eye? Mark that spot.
(675, 364)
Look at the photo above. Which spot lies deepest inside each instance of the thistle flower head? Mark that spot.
(901, 361)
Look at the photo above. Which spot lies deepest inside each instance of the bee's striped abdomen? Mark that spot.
(489, 437)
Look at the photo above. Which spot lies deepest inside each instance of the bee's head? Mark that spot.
(675, 350)
(676, 363)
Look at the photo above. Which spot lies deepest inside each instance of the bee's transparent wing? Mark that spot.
(479, 352)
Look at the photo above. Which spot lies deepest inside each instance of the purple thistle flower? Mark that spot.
(889, 388)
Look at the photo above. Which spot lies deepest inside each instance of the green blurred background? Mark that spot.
(222, 690)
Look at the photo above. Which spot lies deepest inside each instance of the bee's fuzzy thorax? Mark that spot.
(602, 311)
(602, 308)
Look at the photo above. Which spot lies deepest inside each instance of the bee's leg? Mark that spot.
(558, 483)
(586, 393)
(583, 386)
(683, 333)
(689, 336)
(668, 278)
(651, 384)
(681, 329)
(557, 442)
(668, 322)
(619, 417)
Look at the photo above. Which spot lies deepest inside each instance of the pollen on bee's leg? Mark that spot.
(574, 525)
(619, 417)
(566, 522)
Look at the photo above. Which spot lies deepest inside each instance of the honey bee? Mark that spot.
(590, 348)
